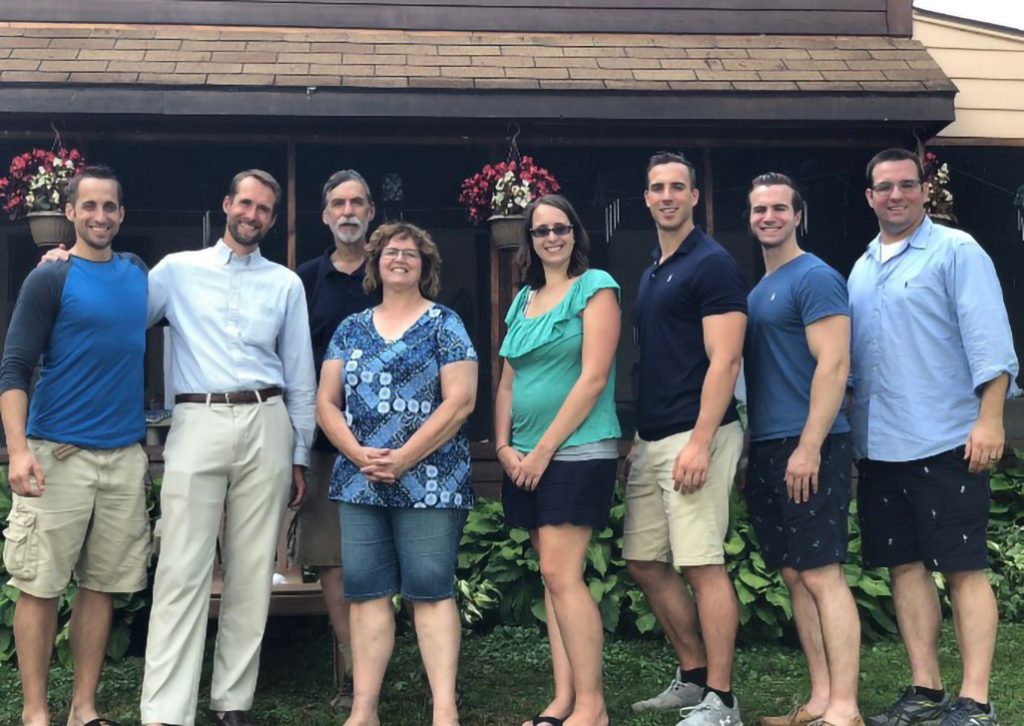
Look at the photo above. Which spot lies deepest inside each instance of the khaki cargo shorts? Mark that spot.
(91, 521)
(663, 525)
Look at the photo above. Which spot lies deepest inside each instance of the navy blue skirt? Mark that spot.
(569, 492)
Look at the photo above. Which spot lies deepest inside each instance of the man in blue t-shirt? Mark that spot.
(76, 468)
(797, 358)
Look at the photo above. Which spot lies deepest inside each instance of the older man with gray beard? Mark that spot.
(334, 290)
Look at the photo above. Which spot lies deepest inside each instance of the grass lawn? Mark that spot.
(505, 677)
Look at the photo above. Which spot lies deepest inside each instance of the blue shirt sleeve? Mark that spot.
(971, 281)
(336, 348)
(453, 343)
(34, 316)
(820, 294)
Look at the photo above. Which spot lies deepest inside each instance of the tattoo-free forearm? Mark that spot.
(715, 395)
(14, 409)
(993, 398)
(828, 389)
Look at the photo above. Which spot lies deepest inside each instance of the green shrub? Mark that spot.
(1006, 539)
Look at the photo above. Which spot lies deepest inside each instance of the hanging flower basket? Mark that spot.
(51, 228)
(36, 189)
(505, 189)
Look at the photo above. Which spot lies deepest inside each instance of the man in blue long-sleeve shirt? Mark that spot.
(932, 357)
(76, 468)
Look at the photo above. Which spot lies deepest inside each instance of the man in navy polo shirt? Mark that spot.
(690, 320)
(797, 358)
(334, 290)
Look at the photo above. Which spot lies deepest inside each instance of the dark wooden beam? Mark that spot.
(815, 17)
(292, 205)
(708, 193)
(928, 111)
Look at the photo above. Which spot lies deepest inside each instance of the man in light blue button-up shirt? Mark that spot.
(932, 358)
(242, 372)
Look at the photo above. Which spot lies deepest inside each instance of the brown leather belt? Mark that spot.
(232, 398)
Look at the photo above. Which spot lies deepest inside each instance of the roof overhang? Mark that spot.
(313, 79)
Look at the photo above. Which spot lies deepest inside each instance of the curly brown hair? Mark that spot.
(430, 274)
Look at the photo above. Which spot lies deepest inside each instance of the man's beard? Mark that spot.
(237, 236)
(350, 230)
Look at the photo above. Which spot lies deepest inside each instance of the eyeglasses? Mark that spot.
(905, 185)
(390, 253)
(560, 230)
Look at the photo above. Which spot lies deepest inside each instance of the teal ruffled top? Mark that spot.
(546, 353)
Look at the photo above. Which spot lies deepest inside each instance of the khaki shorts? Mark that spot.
(663, 525)
(319, 527)
(91, 521)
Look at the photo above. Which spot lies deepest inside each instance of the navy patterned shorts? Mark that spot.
(807, 535)
(930, 510)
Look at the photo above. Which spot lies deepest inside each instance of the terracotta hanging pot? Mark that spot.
(51, 228)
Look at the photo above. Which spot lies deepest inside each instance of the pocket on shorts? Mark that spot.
(21, 546)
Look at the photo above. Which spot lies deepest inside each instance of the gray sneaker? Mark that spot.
(911, 708)
(711, 712)
(967, 712)
(679, 694)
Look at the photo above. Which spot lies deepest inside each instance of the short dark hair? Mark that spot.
(264, 177)
(772, 179)
(671, 157)
(531, 270)
(894, 155)
(99, 171)
(340, 177)
(430, 273)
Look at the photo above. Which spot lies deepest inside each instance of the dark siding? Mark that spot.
(819, 17)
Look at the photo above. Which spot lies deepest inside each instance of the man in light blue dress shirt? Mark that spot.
(932, 358)
(242, 371)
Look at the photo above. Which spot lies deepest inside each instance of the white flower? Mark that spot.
(351, 365)
(425, 407)
(383, 407)
(385, 378)
(398, 405)
(414, 406)
(366, 376)
(384, 393)
(352, 379)
(357, 353)
(431, 471)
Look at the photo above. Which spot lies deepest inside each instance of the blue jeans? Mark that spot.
(385, 550)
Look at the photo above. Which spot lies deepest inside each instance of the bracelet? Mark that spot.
(503, 446)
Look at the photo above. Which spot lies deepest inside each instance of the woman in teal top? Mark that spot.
(556, 437)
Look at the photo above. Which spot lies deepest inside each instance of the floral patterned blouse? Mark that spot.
(391, 389)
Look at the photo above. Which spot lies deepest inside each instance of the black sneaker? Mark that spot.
(967, 712)
(911, 708)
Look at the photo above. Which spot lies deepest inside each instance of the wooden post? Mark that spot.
(291, 205)
(708, 194)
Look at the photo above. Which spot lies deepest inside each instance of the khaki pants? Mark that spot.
(224, 460)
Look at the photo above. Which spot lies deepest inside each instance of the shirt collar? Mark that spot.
(688, 245)
(327, 266)
(225, 254)
(918, 240)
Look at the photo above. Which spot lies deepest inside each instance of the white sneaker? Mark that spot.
(711, 712)
(679, 694)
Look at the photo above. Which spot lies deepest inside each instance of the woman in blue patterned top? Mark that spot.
(398, 382)
(556, 437)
